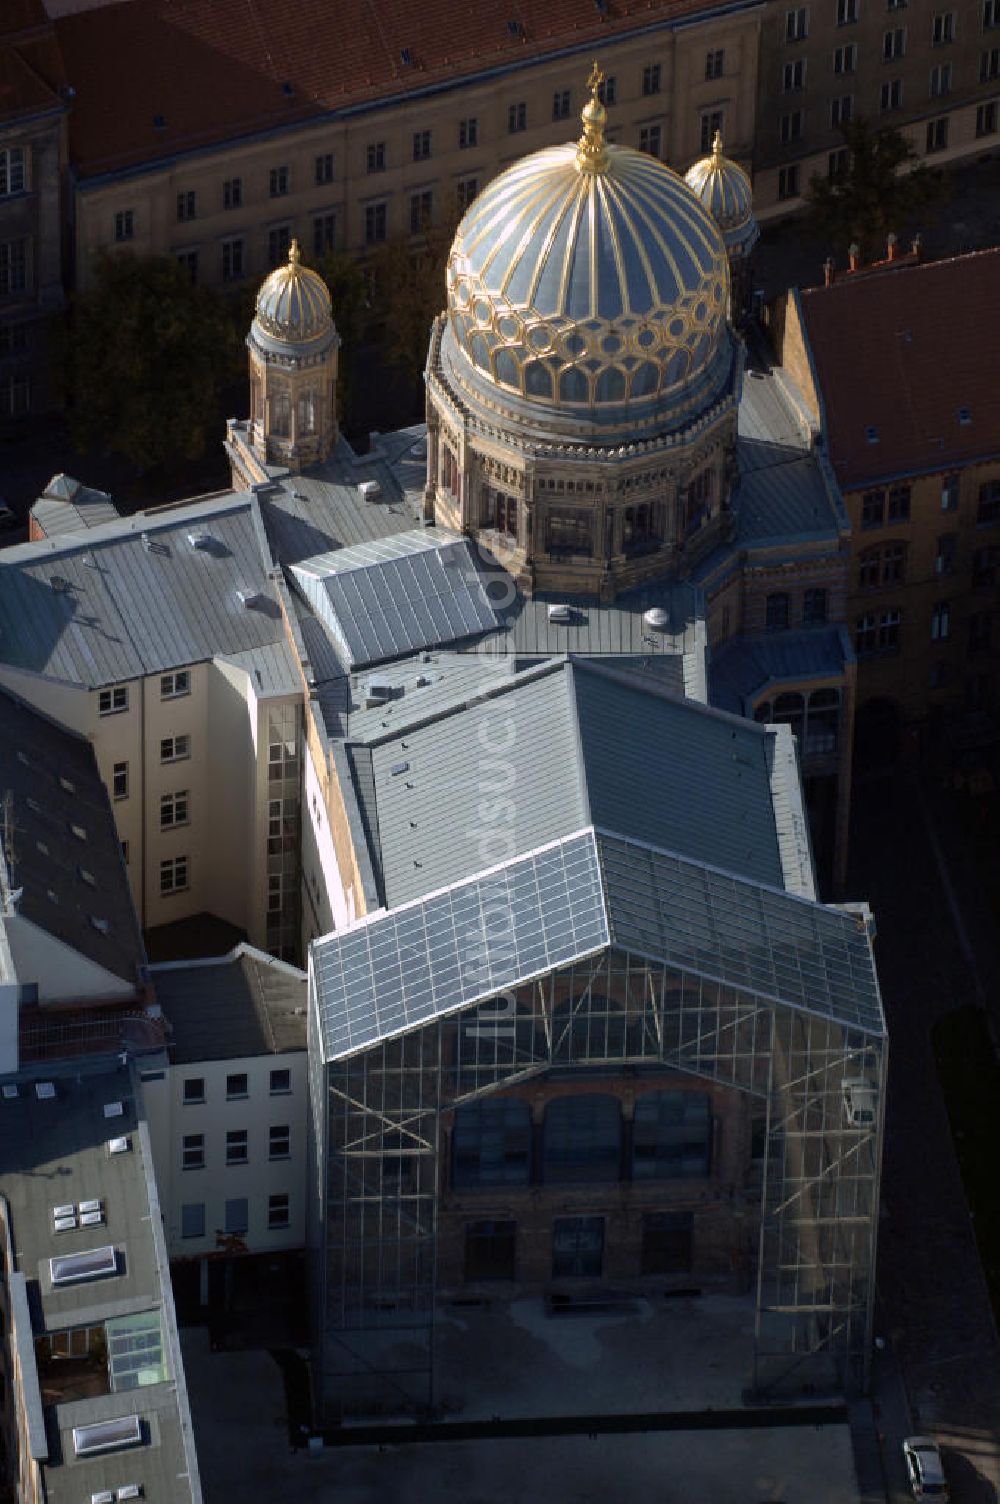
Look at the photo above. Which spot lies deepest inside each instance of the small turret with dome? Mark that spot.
(585, 336)
(727, 193)
(293, 344)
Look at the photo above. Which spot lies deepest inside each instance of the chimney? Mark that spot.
(917, 248)
(828, 272)
(854, 256)
(891, 245)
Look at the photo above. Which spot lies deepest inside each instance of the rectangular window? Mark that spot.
(950, 487)
(274, 893)
(577, 1247)
(891, 95)
(899, 504)
(944, 558)
(517, 117)
(279, 1143)
(797, 24)
(466, 191)
(174, 809)
(607, 92)
(173, 686)
(649, 139)
(940, 80)
(873, 509)
(814, 608)
(375, 224)
(193, 1219)
(894, 44)
(232, 193)
(237, 1216)
(189, 261)
(125, 224)
(715, 63)
(651, 78)
(13, 171)
(194, 1090)
(989, 65)
(838, 163)
(712, 121)
(232, 260)
(277, 1211)
(173, 875)
(940, 620)
(278, 182)
(847, 11)
(13, 266)
(841, 110)
(175, 748)
(119, 780)
(865, 634)
(468, 133)
(888, 631)
(193, 1151)
(937, 134)
(790, 126)
(236, 1086)
(988, 509)
(279, 238)
(421, 145)
(421, 211)
(324, 167)
(324, 233)
(375, 156)
(986, 119)
(560, 104)
(794, 75)
(186, 202)
(112, 701)
(991, 14)
(237, 1152)
(845, 59)
(281, 1083)
(943, 28)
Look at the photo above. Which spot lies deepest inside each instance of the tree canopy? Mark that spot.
(882, 188)
(147, 356)
(408, 291)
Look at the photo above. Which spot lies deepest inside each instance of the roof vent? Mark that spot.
(964, 416)
(377, 691)
(102, 926)
(45, 1090)
(9, 1090)
(657, 617)
(369, 490)
(422, 681)
(107, 1435)
(119, 1145)
(130, 1491)
(105, 1496)
(67, 784)
(398, 768)
(90, 561)
(560, 615)
(59, 583)
(248, 599)
(147, 541)
(114, 1110)
(201, 541)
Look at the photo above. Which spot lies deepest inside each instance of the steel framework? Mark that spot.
(378, 1145)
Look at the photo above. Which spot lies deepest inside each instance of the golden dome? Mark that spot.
(726, 192)
(293, 304)
(589, 274)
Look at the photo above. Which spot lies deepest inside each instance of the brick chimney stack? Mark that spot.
(854, 256)
(892, 246)
(917, 248)
(828, 272)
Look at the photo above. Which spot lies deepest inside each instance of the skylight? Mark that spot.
(93, 1263)
(107, 1435)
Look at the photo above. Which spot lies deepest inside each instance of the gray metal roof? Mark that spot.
(272, 666)
(245, 1003)
(740, 933)
(52, 788)
(135, 597)
(68, 506)
(395, 971)
(746, 666)
(390, 597)
(783, 495)
(54, 1152)
(419, 687)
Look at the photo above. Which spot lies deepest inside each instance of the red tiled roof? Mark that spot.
(901, 352)
(217, 69)
(30, 66)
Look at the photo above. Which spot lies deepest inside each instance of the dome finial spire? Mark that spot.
(592, 152)
(294, 254)
(717, 145)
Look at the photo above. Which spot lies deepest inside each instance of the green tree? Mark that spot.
(145, 360)
(408, 291)
(349, 297)
(879, 191)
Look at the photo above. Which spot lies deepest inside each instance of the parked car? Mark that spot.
(8, 517)
(924, 1468)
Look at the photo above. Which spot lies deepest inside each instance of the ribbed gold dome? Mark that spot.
(588, 274)
(293, 305)
(726, 192)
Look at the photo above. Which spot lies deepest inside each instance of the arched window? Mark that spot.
(573, 386)
(671, 1135)
(491, 1144)
(582, 1140)
(306, 415)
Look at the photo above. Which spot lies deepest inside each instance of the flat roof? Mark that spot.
(54, 1153)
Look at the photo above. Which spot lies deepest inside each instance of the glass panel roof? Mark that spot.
(740, 933)
(135, 1351)
(461, 945)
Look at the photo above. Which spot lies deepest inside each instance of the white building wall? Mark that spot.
(325, 905)
(171, 1119)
